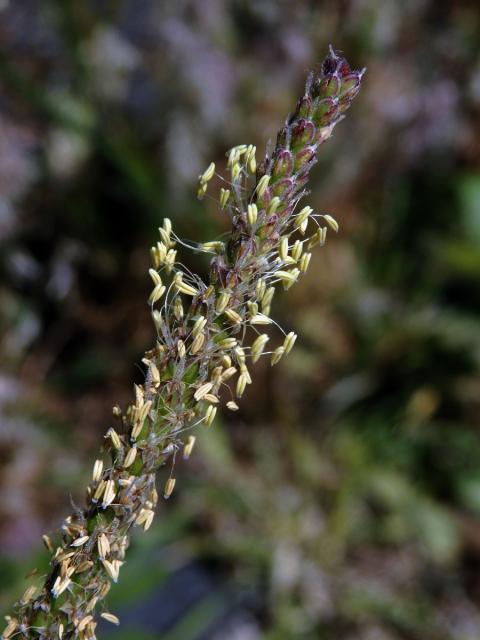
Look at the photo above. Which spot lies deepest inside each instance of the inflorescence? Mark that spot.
(208, 335)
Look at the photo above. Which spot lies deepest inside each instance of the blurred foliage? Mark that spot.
(343, 500)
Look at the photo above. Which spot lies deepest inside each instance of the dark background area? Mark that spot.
(342, 502)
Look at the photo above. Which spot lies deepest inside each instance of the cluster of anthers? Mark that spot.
(208, 335)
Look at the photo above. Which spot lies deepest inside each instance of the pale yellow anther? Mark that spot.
(232, 315)
(318, 237)
(289, 341)
(262, 185)
(250, 159)
(197, 344)
(283, 247)
(240, 354)
(202, 190)
(267, 298)
(213, 246)
(178, 309)
(222, 302)
(157, 319)
(11, 627)
(108, 494)
(233, 406)
(273, 205)
(28, 594)
(169, 487)
(170, 260)
(165, 237)
(236, 169)
(98, 491)
(245, 372)
(228, 373)
(224, 197)
(188, 447)
(103, 546)
(305, 261)
(202, 391)
(227, 343)
(110, 617)
(139, 394)
(295, 273)
(79, 542)
(97, 470)
(113, 435)
(252, 308)
(155, 276)
(144, 410)
(142, 516)
(252, 214)
(260, 288)
(60, 585)
(161, 251)
(288, 278)
(154, 374)
(297, 250)
(199, 325)
(216, 373)
(260, 318)
(208, 174)
(301, 219)
(276, 355)
(155, 257)
(210, 415)
(167, 225)
(182, 287)
(136, 430)
(130, 457)
(332, 223)
(156, 294)
(241, 384)
(233, 156)
(258, 346)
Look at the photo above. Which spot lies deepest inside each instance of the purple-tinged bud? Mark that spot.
(304, 107)
(350, 88)
(286, 211)
(283, 137)
(282, 165)
(328, 87)
(334, 63)
(343, 68)
(264, 200)
(303, 133)
(283, 188)
(325, 112)
(303, 157)
(329, 65)
(269, 227)
(352, 81)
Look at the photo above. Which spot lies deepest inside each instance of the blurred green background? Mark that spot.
(342, 502)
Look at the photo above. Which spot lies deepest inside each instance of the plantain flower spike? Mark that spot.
(204, 334)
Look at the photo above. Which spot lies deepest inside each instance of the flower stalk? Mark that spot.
(208, 333)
